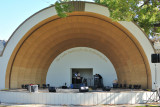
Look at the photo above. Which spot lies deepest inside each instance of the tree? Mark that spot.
(146, 13)
(62, 8)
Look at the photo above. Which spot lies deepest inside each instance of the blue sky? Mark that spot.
(14, 12)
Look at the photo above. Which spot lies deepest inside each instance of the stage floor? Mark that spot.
(74, 97)
(60, 90)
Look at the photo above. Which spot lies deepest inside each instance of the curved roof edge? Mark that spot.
(1, 54)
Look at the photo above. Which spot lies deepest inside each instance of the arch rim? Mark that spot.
(89, 16)
(54, 6)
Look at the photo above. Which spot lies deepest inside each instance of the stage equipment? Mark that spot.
(84, 89)
(85, 81)
(52, 89)
(33, 88)
(44, 86)
(130, 86)
(47, 85)
(120, 86)
(139, 86)
(107, 88)
(38, 85)
(153, 100)
(23, 86)
(64, 87)
(125, 86)
(96, 81)
(115, 85)
(26, 86)
(135, 86)
(155, 58)
(76, 86)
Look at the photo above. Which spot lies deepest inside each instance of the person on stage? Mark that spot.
(78, 78)
(100, 81)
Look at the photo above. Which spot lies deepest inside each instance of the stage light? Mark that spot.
(83, 89)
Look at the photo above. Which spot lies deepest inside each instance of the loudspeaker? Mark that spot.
(155, 58)
(38, 85)
(115, 85)
(26, 86)
(135, 86)
(125, 86)
(120, 86)
(52, 89)
(139, 86)
(44, 86)
(23, 86)
(83, 89)
(107, 88)
(130, 86)
(64, 87)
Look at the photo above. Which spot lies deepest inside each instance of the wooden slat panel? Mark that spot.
(48, 40)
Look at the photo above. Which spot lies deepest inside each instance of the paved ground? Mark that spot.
(40, 105)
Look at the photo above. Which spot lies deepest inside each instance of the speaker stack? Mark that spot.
(155, 58)
(52, 89)
(84, 89)
(107, 88)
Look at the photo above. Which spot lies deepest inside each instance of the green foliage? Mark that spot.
(148, 16)
(120, 10)
(62, 8)
(146, 13)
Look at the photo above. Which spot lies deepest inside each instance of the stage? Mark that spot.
(74, 97)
